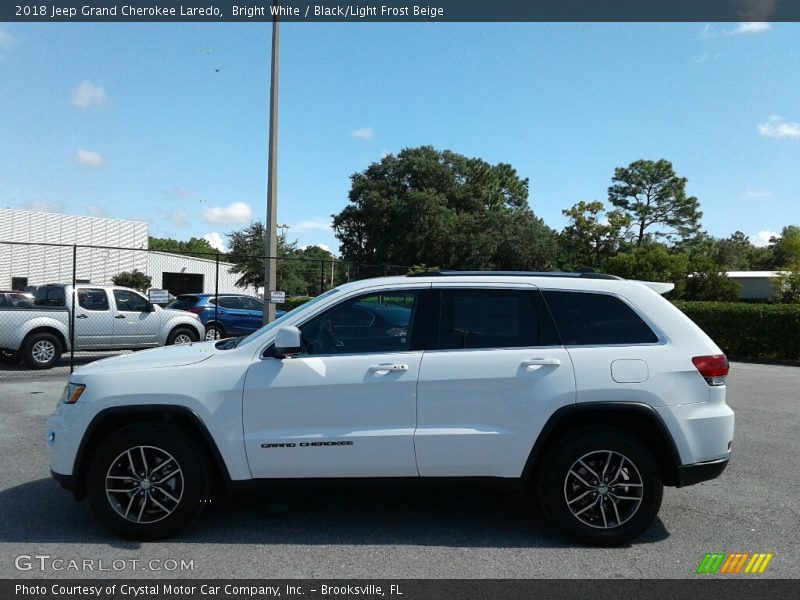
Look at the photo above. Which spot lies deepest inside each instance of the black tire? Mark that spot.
(41, 350)
(609, 519)
(177, 334)
(190, 485)
(9, 357)
(215, 329)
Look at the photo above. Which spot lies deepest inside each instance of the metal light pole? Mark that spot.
(270, 233)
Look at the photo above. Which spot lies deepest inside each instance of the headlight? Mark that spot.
(72, 391)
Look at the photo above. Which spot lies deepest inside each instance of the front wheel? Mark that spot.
(600, 486)
(147, 481)
(182, 335)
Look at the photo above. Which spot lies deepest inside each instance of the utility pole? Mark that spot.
(270, 226)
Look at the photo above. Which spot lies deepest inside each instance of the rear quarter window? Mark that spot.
(586, 318)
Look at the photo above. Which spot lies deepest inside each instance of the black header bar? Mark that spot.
(400, 10)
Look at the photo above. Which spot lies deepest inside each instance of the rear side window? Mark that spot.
(92, 299)
(183, 302)
(50, 296)
(478, 318)
(585, 318)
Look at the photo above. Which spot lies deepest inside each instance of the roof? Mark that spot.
(753, 274)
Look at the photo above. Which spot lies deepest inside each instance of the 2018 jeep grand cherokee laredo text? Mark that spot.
(595, 391)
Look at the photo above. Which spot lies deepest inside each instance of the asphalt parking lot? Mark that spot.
(753, 507)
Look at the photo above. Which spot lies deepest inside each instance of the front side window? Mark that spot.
(251, 303)
(232, 302)
(130, 301)
(92, 299)
(487, 318)
(376, 322)
(585, 318)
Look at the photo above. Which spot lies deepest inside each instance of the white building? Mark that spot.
(755, 285)
(37, 248)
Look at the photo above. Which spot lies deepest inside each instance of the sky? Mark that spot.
(167, 123)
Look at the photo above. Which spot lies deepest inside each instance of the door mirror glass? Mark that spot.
(287, 342)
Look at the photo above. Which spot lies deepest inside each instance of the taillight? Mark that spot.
(713, 368)
(196, 310)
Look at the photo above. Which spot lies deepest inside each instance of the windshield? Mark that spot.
(278, 322)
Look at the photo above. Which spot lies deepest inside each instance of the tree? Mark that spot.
(737, 253)
(133, 279)
(194, 247)
(592, 234)
(299, 272)
(786, 247)
(655, 199)
(650, 262)
(423, 206)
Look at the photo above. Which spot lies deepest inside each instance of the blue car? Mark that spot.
(226, 315)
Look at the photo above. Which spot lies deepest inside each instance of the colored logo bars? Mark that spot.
(734, 563)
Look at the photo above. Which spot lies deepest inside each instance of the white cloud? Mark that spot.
(89, 158)
(215, 240)
(6, 41)
(365, 133)
(177, 218)
(237, 213)
(776, 127)
(89, 94)
(98, 211)
(761, 239)
(43, 206)
(323, 246)
(744, 28)
(759, 194)
(317, 225)
(749, 28)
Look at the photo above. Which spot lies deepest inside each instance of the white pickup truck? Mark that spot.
(106, 318)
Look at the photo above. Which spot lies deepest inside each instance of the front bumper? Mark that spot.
(697, 472)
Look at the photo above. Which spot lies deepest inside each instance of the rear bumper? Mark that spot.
(697, 472)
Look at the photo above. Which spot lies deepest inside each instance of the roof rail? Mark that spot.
(581, 275)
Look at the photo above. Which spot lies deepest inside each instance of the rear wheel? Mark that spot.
(41, 350)
(214, 332)
(601, 487)
(182, 335)
(147, 481)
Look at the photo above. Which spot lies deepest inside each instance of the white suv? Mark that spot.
(596, 391)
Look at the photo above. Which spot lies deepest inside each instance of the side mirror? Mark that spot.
(150, 307)
(287, 342)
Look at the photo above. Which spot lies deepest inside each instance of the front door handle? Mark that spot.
(120, 317)
(388, 368)
(541, 362)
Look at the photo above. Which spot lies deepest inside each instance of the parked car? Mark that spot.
(225, 315)
(106, 318)
(594, 391)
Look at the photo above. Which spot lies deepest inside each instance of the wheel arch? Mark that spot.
(109, 420)
(46, 329)
(637, 419)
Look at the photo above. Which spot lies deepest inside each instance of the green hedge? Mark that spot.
(293, 302)
(743, 330)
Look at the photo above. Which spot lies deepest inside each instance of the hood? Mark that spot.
(155, 358)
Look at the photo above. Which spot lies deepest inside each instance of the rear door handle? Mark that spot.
(120, 317)
(82, 317)
(541, 362)
(388, 368)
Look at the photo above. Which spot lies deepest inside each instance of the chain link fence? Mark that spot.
(59, 299)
